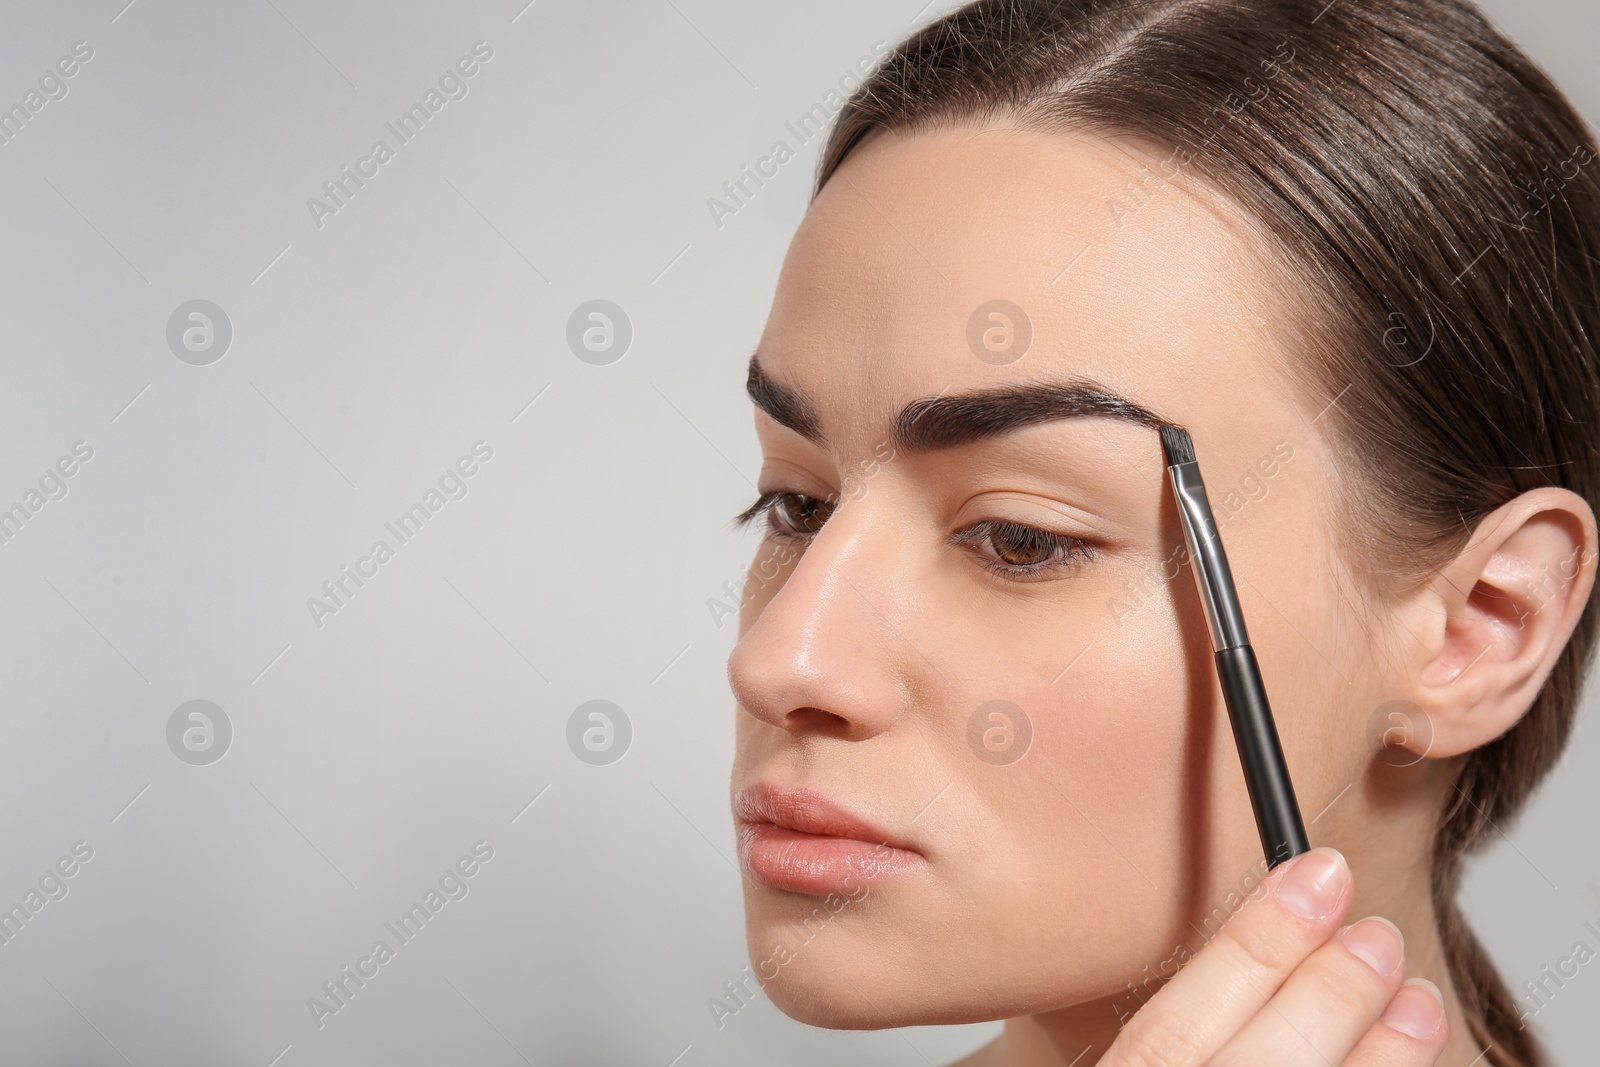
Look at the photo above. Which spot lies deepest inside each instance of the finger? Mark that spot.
(1411, 1032)
(1216, 994)
(1330, 1001)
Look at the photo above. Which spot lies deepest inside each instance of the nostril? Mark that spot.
(817, 721)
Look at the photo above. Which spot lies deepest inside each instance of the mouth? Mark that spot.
(801, 841)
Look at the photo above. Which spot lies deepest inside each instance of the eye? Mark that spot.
(1008, 549)
(787, 516)
(1020, 552)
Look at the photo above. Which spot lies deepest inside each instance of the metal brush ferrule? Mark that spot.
(1207, 559)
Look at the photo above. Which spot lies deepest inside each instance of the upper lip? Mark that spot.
(808, 811)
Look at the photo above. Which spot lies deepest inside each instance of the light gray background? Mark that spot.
(368, 354)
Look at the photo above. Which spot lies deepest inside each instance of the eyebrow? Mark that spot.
(948, 420)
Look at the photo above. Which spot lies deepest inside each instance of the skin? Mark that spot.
(1057, 885)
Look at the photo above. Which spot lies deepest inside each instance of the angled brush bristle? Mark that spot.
(1176, 445)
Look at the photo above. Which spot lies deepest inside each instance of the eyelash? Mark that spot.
(1067, 553)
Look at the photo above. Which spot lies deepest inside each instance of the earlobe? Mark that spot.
(1499, 615)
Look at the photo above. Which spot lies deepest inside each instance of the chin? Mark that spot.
(844, 989)
(846, 965)
(821, 961)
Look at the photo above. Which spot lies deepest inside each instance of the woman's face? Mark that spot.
(984, 662)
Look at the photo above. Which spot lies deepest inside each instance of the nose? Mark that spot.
(828, 655)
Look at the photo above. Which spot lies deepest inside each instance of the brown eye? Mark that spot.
(1025, 553)
(1022, 546)
(800, 513)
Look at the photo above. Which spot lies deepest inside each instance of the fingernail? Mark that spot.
(1314, 883)
(1377, 941)
(1413, 1015)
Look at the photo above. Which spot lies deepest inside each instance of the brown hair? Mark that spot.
(1433, 192)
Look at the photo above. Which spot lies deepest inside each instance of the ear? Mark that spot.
(1492, 623)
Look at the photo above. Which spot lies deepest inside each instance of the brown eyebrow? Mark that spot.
(948, 420)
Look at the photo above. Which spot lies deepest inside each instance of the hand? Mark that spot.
(1283, 984)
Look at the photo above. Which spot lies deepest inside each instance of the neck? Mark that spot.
(1078, 1035)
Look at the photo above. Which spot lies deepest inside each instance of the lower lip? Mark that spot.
(816, 864)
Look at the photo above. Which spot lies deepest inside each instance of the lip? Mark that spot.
(800, 840)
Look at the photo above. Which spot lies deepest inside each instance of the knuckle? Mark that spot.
(1352, 990)
(1153, 1041)
(1262, 946)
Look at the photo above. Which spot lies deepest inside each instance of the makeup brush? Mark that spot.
(1283, 835)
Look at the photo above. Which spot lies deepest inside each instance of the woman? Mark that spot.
(983, 766)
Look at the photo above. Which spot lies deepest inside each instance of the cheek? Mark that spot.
(1065, 868)
(1310, 634)
(753, 744)
(1325, 684)
(1101, 786)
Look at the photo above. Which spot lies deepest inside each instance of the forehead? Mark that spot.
(1155, 286)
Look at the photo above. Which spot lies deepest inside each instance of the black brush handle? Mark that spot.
(1283, 835)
